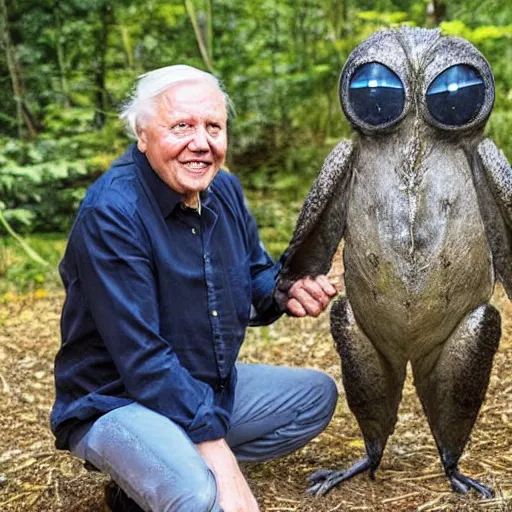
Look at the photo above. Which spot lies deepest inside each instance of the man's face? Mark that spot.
(186, 140)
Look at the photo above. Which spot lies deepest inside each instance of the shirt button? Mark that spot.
(215, 312)
(194, 231)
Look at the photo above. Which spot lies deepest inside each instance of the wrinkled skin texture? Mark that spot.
(186, 139)
(425, 211)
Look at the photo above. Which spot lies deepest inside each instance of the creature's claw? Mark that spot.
(327, 482)
(324, 480)
(320, 474)
(463, 484)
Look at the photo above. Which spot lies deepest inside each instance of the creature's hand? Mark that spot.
(310, 296)
(233, 491)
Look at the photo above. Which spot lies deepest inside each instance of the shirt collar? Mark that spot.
(166, 198)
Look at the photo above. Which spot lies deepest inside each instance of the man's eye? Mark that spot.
(181, 129)
(214, 128)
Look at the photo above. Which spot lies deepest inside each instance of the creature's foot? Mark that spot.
(463, 484)
(325, 480)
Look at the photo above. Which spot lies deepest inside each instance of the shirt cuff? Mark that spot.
(272, 313)
(213, 424)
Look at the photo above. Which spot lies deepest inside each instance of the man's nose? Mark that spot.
(199, 141)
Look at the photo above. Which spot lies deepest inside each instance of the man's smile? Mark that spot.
(196, 165)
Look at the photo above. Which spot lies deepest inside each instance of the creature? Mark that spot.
(424, 204)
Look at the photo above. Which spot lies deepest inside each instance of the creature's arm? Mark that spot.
(321, 223)
(498, 176)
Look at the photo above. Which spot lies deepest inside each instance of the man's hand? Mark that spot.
(233, 491)
(310, 296)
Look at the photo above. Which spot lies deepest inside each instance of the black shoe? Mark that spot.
(118, 501)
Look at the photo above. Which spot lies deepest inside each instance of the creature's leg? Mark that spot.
(451, 383)
(373, 384)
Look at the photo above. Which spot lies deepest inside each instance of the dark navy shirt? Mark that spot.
(158, 297)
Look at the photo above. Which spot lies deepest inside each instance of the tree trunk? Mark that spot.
(436, 12)
(204, 46)
(100, 66)
(60, 56)
(336, 17)
(127, 45)
(209, 28)
(23, 112)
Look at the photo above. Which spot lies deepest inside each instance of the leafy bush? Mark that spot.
(43, 181)
(42, 197)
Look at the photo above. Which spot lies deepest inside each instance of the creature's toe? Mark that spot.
(463, 484)
(318, 475)
(325, 481)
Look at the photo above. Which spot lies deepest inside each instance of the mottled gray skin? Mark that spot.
(425, 211)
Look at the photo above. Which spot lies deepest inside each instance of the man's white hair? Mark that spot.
(150, 85)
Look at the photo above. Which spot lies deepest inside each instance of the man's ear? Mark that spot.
(142, 139)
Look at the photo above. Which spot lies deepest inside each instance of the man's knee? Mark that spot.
(149, 474)
(198, 494)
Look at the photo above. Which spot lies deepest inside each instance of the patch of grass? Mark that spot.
(18, 273)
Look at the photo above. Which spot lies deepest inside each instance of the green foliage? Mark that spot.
(43, 181)
(384, 18)
(22, 274)
(479, 35)
(10, 231)
(276, 219)
(44, 196)
(279, 60)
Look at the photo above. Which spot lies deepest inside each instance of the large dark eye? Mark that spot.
(456, 96)
(376, 94)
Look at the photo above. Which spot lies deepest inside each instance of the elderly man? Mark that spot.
(164, 270)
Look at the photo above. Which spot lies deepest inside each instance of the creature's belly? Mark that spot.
(415, 265)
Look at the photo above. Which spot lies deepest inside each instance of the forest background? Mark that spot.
(67, 66)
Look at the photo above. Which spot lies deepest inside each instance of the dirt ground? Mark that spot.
(36, 477)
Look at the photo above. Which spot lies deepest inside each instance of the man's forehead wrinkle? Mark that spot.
(173, 115)
(170, 107)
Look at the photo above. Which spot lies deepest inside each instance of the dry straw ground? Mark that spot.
(35, 477)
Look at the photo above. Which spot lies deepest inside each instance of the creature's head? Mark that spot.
(396, 74)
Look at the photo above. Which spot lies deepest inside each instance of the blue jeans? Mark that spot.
(276, 411)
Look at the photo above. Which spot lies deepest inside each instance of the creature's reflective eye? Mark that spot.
(376, 94)
(456, 96)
